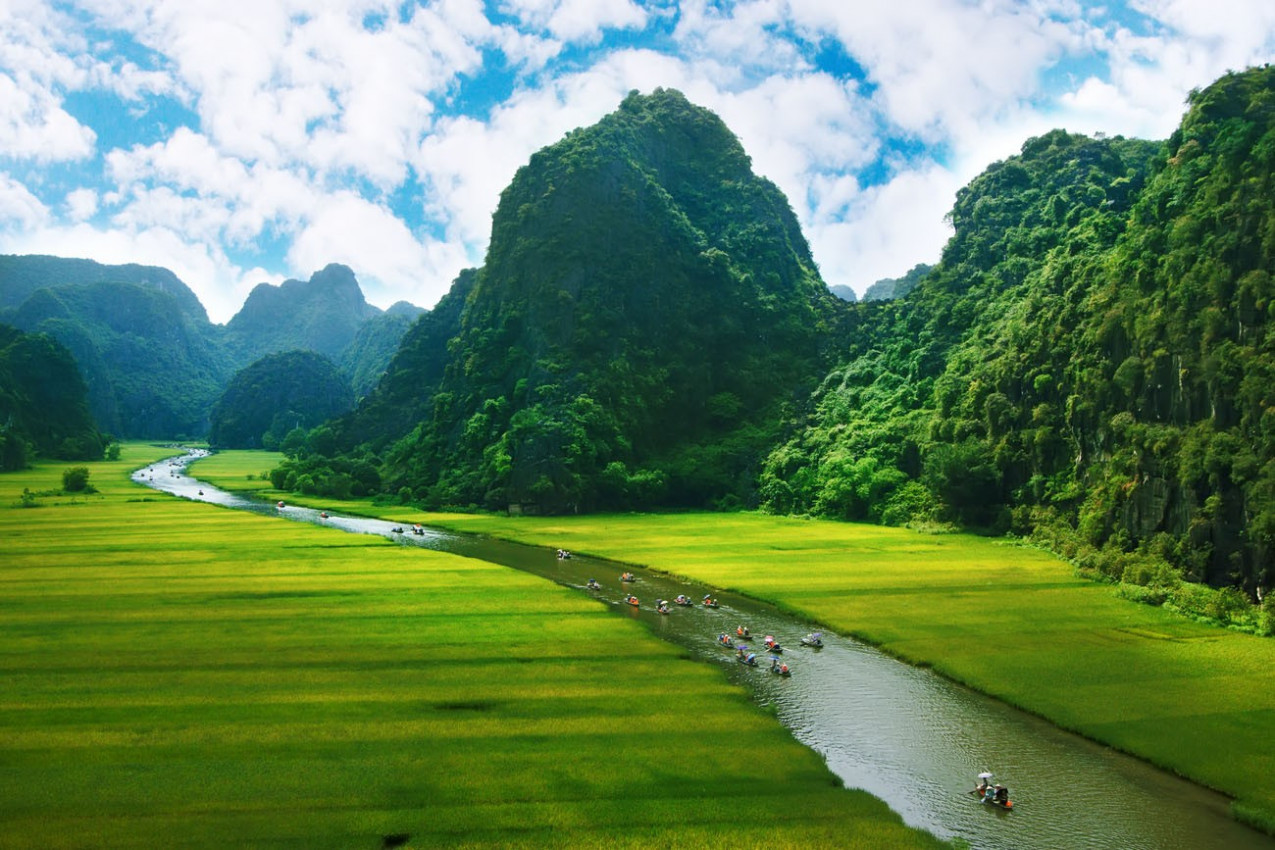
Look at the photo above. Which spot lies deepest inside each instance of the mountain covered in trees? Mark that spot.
(275, 395)
(43, 403)
(647, 317)
(1091, 360)
(1087, 362)
(154, 364)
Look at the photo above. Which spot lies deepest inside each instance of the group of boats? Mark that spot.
(772, 647)
(987, 792)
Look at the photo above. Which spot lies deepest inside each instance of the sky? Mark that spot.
(238, 142)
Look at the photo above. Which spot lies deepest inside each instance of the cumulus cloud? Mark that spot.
(81, 204)
(18, 207)
(576, 20)
(380, 133)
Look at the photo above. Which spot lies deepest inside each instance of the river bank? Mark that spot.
(1008, 621)
(999, 617)
(182, 675)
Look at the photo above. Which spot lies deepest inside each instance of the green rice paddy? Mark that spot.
(1010, 621)
(176, 674)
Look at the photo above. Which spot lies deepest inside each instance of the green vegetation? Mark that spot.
(152, 367)
(1010, 621)
(241, 471)
(75, 479)
(647, 314)
(43, 403)
(153, 362)
(323, 314)
(275, 395)
(1089, 361)
(181, 675)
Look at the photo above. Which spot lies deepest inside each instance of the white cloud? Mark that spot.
(81, 204)
(576, 20)
(389, 261)
(312, 117)
(886, 229)
(18, 207)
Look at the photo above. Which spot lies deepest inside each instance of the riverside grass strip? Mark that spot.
(1007, 620)
(177, 674)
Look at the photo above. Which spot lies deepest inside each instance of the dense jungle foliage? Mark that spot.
(278, 394)
(44, 407)
(647, 316)
(1090, 361)
(1087, 363)
(153, 362)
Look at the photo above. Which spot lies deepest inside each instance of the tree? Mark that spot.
(75, 479)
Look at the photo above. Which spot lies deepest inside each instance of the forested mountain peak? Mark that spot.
(322, 314)
(22, 275)
(647, 309)
(1090, 361)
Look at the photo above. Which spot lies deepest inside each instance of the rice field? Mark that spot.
(1010, 621)
(179, 675)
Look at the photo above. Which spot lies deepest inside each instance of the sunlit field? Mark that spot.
(1011, 621)
(176, 674)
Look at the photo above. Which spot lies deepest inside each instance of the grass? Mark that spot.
(1010, 621)
(176, 674)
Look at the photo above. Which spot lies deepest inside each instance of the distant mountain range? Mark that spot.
(154, 364)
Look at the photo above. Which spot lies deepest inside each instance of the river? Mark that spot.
(905, 734)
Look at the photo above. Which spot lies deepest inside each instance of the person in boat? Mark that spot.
(742, 631)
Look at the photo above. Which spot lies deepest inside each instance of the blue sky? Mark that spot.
(246, 141)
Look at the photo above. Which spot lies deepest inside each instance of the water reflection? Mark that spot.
(905, 734)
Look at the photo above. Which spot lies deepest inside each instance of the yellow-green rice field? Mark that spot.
(179, 675)
(1008, 620)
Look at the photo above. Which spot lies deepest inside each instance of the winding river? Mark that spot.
(905, 734)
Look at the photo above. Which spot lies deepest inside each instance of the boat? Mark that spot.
(631, 599)
(323, 514)
(592, 584)
(280, 505)
(778, 667)
(742, 631)
(627, 577)
(683, 600)
(743, 656)
(771, 644)
(814, 639)
(710, 602)
(662, 606)
(724, 639)
(564, 555)
(992, 795)
(418, 530)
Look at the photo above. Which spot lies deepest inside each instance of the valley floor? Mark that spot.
(179, 675)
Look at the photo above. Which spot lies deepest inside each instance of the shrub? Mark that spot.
(75, 479)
